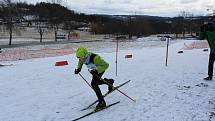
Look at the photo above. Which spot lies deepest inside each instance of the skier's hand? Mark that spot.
(94, 72)
(77, 71)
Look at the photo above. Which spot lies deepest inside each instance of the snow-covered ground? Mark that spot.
(37, 90)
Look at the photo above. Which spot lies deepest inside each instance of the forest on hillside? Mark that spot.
(55, 16)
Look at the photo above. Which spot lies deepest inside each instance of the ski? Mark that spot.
(106, 95)
(90, 113)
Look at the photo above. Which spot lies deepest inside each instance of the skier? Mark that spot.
(96, 66)
(208, 32)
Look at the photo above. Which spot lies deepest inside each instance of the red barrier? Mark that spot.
(61, 63)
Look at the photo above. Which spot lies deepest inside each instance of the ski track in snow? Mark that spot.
(36, 90)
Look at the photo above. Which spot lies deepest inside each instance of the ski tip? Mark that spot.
(116, 102)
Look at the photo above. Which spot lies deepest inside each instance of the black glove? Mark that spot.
(77, 71)
(94, 72)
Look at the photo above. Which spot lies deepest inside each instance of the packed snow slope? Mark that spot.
(37, 90)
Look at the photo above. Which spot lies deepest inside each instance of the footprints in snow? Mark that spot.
(189, 87)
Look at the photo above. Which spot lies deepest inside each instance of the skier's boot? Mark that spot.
(100, 105)
(110, 84)
(208, 78)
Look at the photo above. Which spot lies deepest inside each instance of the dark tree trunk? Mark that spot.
(10, 31)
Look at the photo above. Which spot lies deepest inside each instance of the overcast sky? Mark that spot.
(167, 8)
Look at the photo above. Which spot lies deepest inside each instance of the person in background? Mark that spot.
(207, 31)
(96, 66)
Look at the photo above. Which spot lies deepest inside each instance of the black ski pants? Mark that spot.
(96, 81)
(211, 64)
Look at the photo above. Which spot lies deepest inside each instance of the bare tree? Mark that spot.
(55, 20)
(186, 22)
(40, 28)
(41, 25)
(10, 16)
(7, 6)
(69, 27)
(55, 27)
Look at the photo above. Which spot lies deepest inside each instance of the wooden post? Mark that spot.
(117, 48)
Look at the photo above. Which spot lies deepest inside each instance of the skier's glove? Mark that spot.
(94, 72)
(77, 71)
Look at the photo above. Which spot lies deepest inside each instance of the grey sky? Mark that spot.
(168, 8)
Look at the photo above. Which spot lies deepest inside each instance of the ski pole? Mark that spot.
(85, 80)
(119, 90)
(109, 85)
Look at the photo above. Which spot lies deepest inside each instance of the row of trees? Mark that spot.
(54, 16)
(143, 25)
